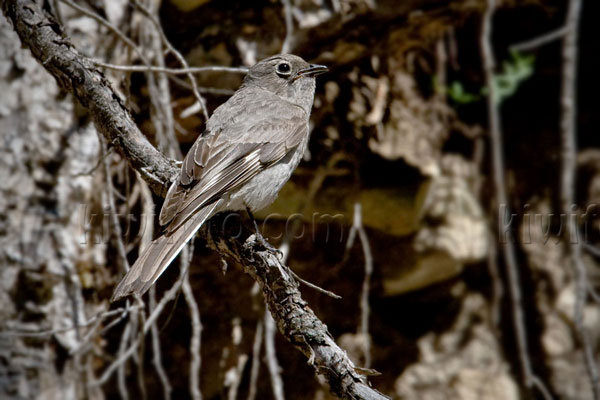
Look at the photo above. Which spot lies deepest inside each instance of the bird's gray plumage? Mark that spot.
(251, 145)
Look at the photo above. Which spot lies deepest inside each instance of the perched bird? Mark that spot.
(251, 145)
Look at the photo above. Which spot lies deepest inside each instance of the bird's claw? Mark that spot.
(264, 243)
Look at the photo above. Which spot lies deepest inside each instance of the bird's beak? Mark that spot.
(312, 70)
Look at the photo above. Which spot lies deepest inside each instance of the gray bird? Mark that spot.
(251, 145)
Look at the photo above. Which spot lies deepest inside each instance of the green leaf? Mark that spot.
(514, 72)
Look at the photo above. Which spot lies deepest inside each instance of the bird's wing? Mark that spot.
(222, 161)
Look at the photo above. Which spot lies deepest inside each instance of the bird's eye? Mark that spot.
(284, 69)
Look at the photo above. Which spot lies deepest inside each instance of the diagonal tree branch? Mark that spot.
(294, 318)
(78, 75)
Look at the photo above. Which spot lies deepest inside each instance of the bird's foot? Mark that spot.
(260, 238)
(264, 243)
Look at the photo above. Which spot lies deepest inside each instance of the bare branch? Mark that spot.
(114, 216)
(271, 355)
(254, 368)
(159, 90)
(312, 285)
(235, 375)
(196, 338)
(363, 328)
(147, 232)
(568, 129)
(366, 286)
(497, 288)
(289, 27)
(137, 321)
(167, 297)
(156, 353)
(295, 320)
(541, 40)
(107, 24)
(508, 247)
(40, 334)
(159, 98)
(86, 343)
(77, 75)
(176, 53)
(172, 71)
(121, 377)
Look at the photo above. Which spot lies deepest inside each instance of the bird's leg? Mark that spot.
(260, 238)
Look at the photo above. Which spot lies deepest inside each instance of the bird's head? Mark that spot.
(288, 76)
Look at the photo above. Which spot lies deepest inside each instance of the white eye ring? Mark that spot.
(283, 69)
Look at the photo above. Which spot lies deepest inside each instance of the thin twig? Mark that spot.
(98, 164)
(363, 328)
(147, 229)
(271, 356)
(102, 21)
(87, 343)
(315, 287)
(156, 95)
(177, 55)
(147, 216)
(95, 319)
(139, 357)
(167, 297)
(255, 366)
(497, 288)
(568, 129)
(196, 338)
(592, 292)
(156, 352)
(147, 226)
(90, 376)
(202, 89)
(56, 12)
(366, 286)
(234, 375)
(289, 27)
(593, 250)
(159, 90)
(114, 217)
(154, 100)
(541, 40)
(508, 247)
(121, 377)
(172, 71)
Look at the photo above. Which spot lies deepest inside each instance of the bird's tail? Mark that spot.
(159, 254)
